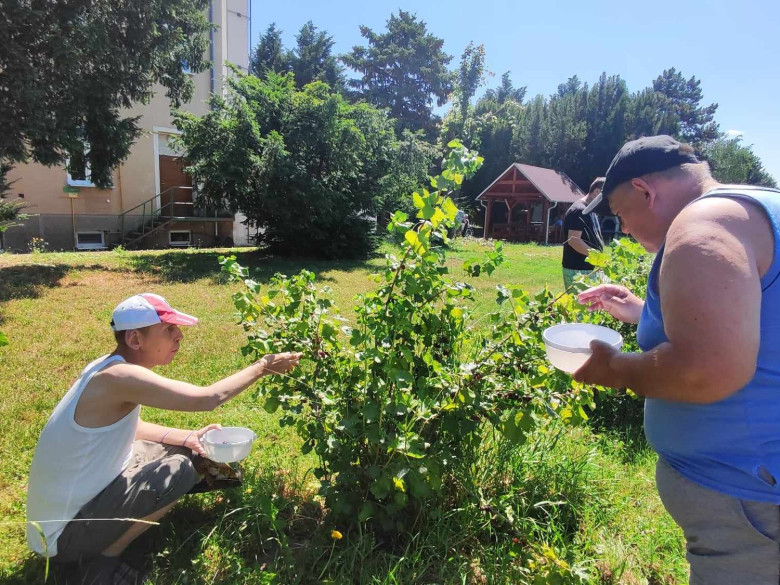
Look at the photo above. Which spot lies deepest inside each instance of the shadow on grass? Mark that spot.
(33, 570)
(192, 266)
(29, 281)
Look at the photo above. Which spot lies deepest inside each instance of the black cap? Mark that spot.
(637, 158)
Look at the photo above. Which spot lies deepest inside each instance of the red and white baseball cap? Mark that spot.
(147, 309)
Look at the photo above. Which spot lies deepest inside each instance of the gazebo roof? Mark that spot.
(556, 186)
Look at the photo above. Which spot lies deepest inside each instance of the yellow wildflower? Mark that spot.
(336, 535)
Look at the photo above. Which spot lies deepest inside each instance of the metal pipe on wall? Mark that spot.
(547, 227)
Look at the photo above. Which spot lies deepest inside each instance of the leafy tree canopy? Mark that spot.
(305, 165)
(733, 162)
(67, 69)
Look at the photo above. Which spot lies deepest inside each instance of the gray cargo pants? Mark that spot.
(729, 541)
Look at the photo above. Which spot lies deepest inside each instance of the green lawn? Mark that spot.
(603, 513)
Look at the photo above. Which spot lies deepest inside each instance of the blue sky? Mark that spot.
(732, 47)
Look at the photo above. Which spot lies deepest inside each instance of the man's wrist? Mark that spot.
(261, 367)
(622, 366)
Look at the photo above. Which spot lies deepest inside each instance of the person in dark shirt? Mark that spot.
(581, 235)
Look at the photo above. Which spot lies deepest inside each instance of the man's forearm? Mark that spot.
(147, 431)
(664, 373)
(580, 246)
(231, 386)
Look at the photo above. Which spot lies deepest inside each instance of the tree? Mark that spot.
(682, 99)
(402, 70)
(648, 116)
(67, 69)
(506, 91)
(269, 54)
(470, 76)
(460, 123)
(606, 112)
(312, 59)
(303, 165)
(732, 162)
(412, 160)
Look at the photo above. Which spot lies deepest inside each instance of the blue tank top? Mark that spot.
(731, 446)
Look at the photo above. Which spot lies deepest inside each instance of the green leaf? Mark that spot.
(401, 377)
(437, 218)
(366, 511)
(371, 412)
(419, 203)
(449, 209)
(328, 331)
(426, 212)
(516, 425)
(381, 487)
(271, 404)
(414, 240)
(3, 339)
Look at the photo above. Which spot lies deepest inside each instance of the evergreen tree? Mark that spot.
(683, 99)
(648, 116)
(506, 91)
(403, 70)
(608, 103)
(269, 54)
(312, 58)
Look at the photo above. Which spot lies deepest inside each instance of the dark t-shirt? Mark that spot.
(574, 220)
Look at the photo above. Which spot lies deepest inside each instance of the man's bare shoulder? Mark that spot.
(122, 373)
(724, 223)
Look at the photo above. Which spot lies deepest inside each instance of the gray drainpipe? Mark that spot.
(484, 229)
(211, 46)
(547, 230)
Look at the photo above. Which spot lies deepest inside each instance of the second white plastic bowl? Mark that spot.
(228, 444)
(568, 344)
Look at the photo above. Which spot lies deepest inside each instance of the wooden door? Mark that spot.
(171, 176)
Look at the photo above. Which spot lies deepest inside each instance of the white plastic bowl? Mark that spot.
(228, 444)
(568, 344)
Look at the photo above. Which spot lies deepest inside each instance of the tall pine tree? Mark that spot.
(269, 54)
(403, 70)
(312, 58)
(682, 98)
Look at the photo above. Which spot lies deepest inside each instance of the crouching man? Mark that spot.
(97, 460)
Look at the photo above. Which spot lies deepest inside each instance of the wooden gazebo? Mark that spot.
(525, 202)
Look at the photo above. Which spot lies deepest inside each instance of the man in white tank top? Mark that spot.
(97, 460)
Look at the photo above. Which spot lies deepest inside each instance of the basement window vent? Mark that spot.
(90, 241)
(180, 238)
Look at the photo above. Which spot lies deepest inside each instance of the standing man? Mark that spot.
(581, 234)
(709, 370)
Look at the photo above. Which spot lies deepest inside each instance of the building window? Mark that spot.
(180, 238)
(90, 241)
(79, 173)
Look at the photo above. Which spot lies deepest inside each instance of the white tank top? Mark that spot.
(72, 464)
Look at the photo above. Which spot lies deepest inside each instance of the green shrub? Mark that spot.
(396, 407)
